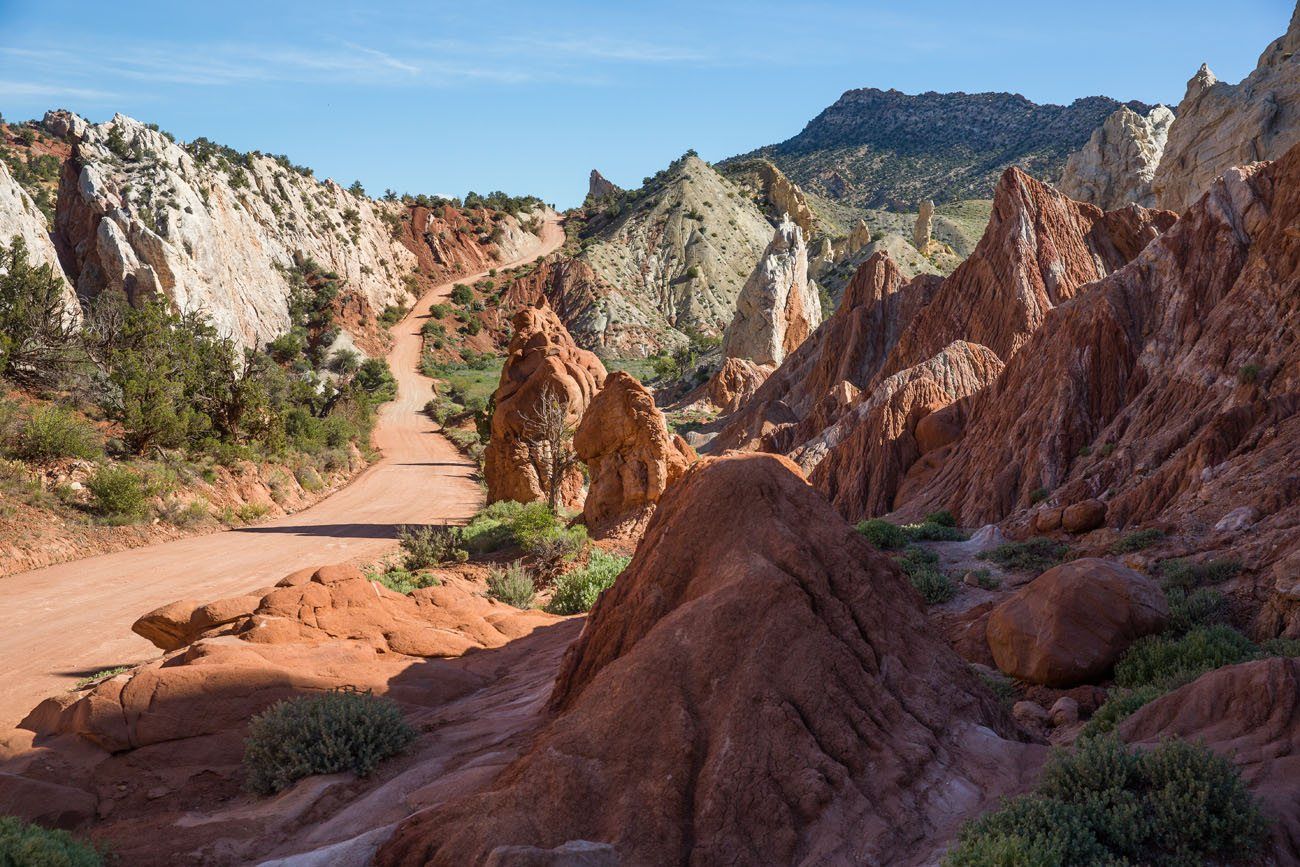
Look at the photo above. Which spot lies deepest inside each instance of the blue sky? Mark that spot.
(528, 97)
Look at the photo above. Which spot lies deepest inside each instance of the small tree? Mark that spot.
(39, 338)
(548, 432)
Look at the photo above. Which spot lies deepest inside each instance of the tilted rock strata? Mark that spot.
(1222, 125)
(778, 306)
(630, 456)
(1115, 168)
(542, 365)
(851, 731)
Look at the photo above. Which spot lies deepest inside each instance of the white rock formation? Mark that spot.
(778, 306)
(20, 218)
(1117, 164)
(1222, 125)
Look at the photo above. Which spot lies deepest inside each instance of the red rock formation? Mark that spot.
(1071, 624)
(1169, 390)
(869, 451)
(848, 348)
(1250, 715)
(631, 458)
(543, 365)
(735, 383)
(759, 687)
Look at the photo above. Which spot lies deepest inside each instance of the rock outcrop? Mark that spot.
(923, 230)
(779, 196)
(630, 456)
(1115, 168)
(1166, 390)
(545, 374)
(850, 732)
(861, 460)
(1071, 624)
(735, 383)
(1250, 715)
(656, 264)
(20, 218)
(778, 306)
(1222, 125)
(599, 187)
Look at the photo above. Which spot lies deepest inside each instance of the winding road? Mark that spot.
(62, 622)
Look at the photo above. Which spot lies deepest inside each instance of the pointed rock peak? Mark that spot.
(875, 278)
(1201, 81)
(599, 187)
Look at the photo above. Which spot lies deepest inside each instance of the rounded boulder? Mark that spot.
(1072, 623)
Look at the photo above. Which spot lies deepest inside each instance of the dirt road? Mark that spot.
(62, 622)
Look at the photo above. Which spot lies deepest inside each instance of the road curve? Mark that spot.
(62, 622)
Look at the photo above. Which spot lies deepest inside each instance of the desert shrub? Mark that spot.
(309, 479)
(249, 512)
(427, 546)
(1031, 555)
(1164, 659)
(921, 568)
(1280, 647)
(512, 585)
(24, 845)
(184, 513)
(932, 532)
(1190, 609)
(490, 528)
(440, 409)
(882, 534)
(1137, 540)
(403, 580)
(1105, 804)
(52, 433)
(1187, 574)
(1118, 707)
(461, 294)
(530, 523)
(555, 547)
(117, 492)
(39, 339)
(342, 730)
(576, 591)
(943, 518)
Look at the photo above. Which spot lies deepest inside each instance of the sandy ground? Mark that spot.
(62, 622)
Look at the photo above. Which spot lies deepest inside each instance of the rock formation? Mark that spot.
(545, 373)
(667, 260)
(778, 306)
(1163, 390)
(1222, 125)
(1071, 624)
(1115, 168)
(735, 383)
(849, 732)
(862, 459)
(20, 218)
(1250, 715)
(776, 193)
(598, 187)
(630, 456)
(923, 231)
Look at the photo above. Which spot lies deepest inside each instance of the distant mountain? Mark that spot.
(884, 148)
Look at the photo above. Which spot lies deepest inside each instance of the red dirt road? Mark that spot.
(62, 622)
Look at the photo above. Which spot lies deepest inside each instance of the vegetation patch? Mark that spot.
(119, 494)
(423, 547)
(512, 584)
(24, 845)
(922, 570)
(1137, 540)
(1106, 804)
(342, 730)
(1188, 574)
(1031, 555)
(576, 591)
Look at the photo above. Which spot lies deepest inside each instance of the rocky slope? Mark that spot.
(655, 264)
(778, 306)
(1222, 125)
(848, 733)
(875, 148)
(20, 218)
(1166, 390)
(1115, 168)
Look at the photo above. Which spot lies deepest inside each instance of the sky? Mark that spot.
(442, 98)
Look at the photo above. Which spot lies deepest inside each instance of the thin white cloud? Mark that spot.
(44, 90)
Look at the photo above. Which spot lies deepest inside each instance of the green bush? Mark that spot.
(1164, 659)
(1104, 804)
(1118, 707)
(1187, 574)
(428, 546)
(943, 518)
(308, 479)
(1137, 540)
(1188, 610)
(461, 294)
(1031, 555)
(922, 571)
(118, 492)
(511, 585)
(52, 433)
(23, 845)
(882, 534)
(335, 731)
(932, 532)
(404, 581)
(576, 591)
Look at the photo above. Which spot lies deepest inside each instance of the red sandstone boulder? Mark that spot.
(543, 367)
(1083, 516)
(1249, 714)
(1072, 623)
(758, 687)
(631, 458)
(167, 627)
(735, 383)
